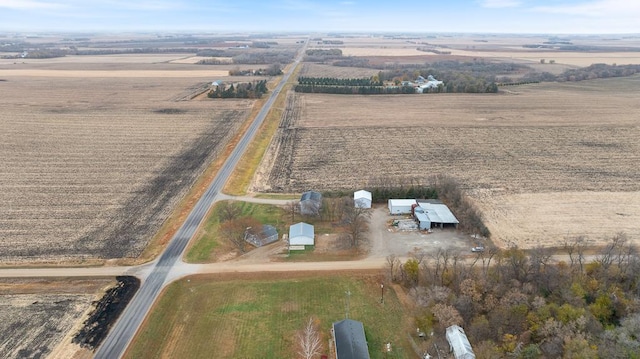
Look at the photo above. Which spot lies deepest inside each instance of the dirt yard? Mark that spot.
(92, 166)
(39, 317)
(544, 139)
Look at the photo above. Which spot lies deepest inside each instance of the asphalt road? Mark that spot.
(127, 325)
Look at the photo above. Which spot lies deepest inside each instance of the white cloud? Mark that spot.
(497, 4)
(29, 5)
(599, 8)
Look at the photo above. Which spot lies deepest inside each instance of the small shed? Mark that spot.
(350, 341)
(424, 223)
(310, 203)
(401, 206)
(458, 343)
(362, 199)
(301, 234)
(269, 234)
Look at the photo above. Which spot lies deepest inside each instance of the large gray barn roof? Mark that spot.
(438, 212)
(350, 340)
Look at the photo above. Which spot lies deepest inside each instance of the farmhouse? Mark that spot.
(401, 206)
(458, 343)
(434, 212)
(310, 203)
(269, 234)
(301, 234)
(350, 341)
(362, 199)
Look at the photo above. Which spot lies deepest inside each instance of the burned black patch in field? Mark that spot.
(129, 231)
(106, 312)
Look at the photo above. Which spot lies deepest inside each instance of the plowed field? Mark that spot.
(91, 167)
(546, 138)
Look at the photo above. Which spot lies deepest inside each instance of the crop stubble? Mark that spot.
(542, 139)
(93, 166)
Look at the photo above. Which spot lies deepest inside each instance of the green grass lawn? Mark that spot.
(207, 239)
(199, 317)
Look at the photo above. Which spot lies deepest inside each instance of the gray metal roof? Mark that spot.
(301, 229)
(311, 195)
(438, 212)
(422, 217)
(351, 342)
(459, 343)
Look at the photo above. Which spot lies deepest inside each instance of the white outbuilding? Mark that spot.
(401, 206)
(301, 234)
(362, 199)
(458, 343)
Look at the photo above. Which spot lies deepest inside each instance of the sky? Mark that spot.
(422, 16)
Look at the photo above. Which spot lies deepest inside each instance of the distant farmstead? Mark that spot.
(310, 203)
(362, 199)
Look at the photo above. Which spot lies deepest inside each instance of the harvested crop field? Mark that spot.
(545, 138)
(322, 70)
(93, 166)
(38, 317)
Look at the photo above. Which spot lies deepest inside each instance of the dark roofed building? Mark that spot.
(269, 234)
(310, 203)
(350, 341)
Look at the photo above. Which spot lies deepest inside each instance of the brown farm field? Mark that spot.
(92, 166)
(544, 140)
(39, 317)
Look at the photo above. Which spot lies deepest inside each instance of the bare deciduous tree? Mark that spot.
(228, 211)
(236, 230)
(292, 208)
(356, 220)
(309, 341)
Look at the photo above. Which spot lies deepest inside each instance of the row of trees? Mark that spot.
(273, 70)
(517, 304)
(243, 90)
(246, 57)
(334, 81)
(356, 90)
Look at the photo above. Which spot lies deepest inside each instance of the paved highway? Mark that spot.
(127, 325)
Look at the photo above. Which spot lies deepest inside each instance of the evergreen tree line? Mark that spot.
(333, 81)
(356, 90)
(243, 90)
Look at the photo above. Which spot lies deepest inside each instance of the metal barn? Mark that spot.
(301, 234)
(401, 206)
(362, 199)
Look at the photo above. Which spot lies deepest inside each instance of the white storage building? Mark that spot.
(301, 234)
(401, 206)
(458, 343)
(362, 199)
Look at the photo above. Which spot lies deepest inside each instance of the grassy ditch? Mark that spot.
(258, 318)
(207, 243)
(241, 177)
